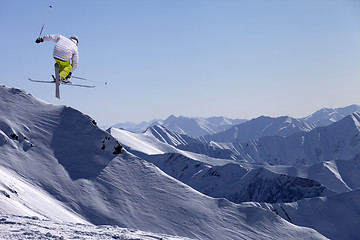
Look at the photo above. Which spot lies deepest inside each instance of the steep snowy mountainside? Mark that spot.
(238, 183)
(64, 155)
(336, 217)
(260, 127)
(262, 185)
(161, 197)
(327, 116)
(18, 197)
(337, 175)
(341, 140)
(145, 144)
(187, 143)
(170, 137)
(219, 178)
(193, 127)
(36, 129)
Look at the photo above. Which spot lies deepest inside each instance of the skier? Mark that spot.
(64, 50)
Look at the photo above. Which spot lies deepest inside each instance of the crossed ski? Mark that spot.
(63, 83)
(57, 81)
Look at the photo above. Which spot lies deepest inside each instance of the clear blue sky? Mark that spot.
(197, 58)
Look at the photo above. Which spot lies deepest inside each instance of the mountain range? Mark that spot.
(257, 127)
(185, 125)
(310, 164)
(278, 178)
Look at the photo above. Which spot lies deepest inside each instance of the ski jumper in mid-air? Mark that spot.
(64, 50)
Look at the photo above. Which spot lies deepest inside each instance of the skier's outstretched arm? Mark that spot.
(52, 37)
(49, 37)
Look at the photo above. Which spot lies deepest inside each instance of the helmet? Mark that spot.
(75, 38)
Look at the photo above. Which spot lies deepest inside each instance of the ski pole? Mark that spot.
(44, 21)
(85, 79)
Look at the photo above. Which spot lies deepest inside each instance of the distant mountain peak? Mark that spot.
(327, 116)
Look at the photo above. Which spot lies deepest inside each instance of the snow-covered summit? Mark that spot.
(327, 116)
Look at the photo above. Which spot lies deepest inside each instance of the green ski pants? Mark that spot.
(64, 68)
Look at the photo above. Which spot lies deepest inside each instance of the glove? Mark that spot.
(39, 40)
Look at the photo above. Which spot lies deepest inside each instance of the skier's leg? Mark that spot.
(64, 68)
(67, 69)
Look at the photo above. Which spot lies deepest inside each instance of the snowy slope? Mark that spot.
(18, 197)
(145, 145)
(61, 152)
(187, 143)
(327, 116)
(260, 127)
(170, 137)
(336, 217)
(338, 175)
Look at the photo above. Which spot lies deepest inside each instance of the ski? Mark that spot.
(89, 80)
(78, 85)
(41, 81)
(57, 80)
(70, 83)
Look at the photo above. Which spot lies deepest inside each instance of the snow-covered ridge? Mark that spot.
(341, 140)
(260, 127)
(198, 127)
(327, 116)
(193, 127)
(187, 143)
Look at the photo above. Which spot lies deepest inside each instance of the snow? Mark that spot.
(21, 198)
(60, 178)
(33, 227)
(130, 139)
(146, 144)
(336, 217)
(61, 169)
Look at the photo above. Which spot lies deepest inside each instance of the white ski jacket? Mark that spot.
(65, 49)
